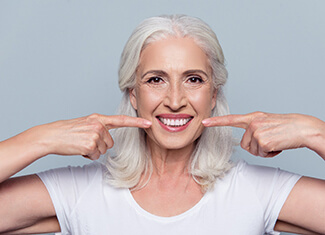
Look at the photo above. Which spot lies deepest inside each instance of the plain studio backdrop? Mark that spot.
(59, 60)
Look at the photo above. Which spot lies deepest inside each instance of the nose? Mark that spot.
(175, 98)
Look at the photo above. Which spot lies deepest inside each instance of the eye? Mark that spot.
(195, 79)
(154, 80)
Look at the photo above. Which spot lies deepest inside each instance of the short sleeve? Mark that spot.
(272, 186)
(66, 186)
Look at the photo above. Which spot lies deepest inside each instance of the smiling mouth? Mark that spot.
(174, 122)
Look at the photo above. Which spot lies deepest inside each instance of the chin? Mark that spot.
(174, 143)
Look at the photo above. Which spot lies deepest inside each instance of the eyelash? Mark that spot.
(154, 80)
(197, 79)
(193, 79)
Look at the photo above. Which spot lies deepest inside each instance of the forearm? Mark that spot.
(20, 151)
(47, 225)
(80, 136)
(281, 226)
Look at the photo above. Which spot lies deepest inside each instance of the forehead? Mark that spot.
(173, 54)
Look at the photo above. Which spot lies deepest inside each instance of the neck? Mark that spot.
(170, 162)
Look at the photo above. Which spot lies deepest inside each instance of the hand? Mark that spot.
(88, 136)
(268, 134)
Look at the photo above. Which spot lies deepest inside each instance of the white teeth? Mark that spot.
(174, 122)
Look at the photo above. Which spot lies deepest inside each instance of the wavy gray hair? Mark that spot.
(211, 157)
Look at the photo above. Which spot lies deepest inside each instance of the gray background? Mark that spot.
(59, 59)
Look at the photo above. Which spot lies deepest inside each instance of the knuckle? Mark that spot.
(259, 117)
(265, 145)
(257, 135)
(260, 114)
(94, 137)
(98, 127)
(254, 125)
(91, 147)
(93, 116)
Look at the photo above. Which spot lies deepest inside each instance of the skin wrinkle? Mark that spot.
(173, 86)
(174, 193)
(173, 77)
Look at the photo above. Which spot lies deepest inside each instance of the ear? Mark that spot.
(133, 98)
(214, 98)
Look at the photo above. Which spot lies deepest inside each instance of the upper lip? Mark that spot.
(174, 116)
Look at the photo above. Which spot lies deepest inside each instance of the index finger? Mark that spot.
(234, 120)
(117, 121)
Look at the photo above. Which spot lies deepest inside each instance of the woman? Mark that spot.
(171, 172)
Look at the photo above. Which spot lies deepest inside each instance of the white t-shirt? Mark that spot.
(246, 201)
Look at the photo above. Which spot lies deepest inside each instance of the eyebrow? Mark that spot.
(158, 72)
(163, 73)
(188, 72)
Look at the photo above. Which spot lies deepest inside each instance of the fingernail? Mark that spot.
(205, 122)
(147, 123)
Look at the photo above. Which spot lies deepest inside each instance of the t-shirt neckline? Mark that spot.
(143, 212)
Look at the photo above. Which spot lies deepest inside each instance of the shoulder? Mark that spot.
(78, 192)
(85, 170)
(73, 177)
(255, 173)
(261, 181)
(254, 191)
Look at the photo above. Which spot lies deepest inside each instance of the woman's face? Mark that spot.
(174, 90)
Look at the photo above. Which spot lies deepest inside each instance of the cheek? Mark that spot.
(147, 102)
(202, 101)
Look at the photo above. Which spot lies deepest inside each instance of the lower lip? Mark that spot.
(174, 128)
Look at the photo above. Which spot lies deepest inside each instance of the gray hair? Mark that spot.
(211, 157)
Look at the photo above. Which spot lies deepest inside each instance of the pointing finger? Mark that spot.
(112, 122)
(235, 120)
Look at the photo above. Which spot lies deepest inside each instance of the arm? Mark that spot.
(26, 207)
(267, 135)
(25, 202)
(289, 228)
(19, 151)
(305, 206)
(48, 225)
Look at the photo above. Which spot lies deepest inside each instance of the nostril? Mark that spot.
(175, 103)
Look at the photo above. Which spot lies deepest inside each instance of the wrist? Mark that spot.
(316, 137)
(35, 141)
(20, 151)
